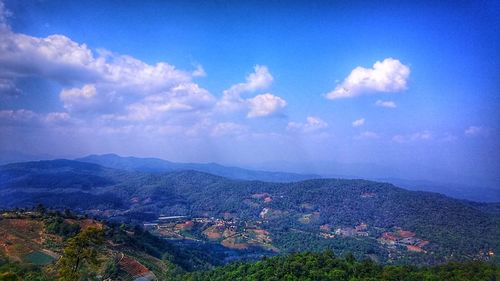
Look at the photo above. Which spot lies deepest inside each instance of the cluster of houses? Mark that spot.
(359, 230)
(405, 238)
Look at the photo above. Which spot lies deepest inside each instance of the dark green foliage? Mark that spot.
(11, 270)
(142, 241)
(325, 266)
(57, 225)
(80, 252)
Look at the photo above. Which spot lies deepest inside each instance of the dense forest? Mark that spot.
(326, 266)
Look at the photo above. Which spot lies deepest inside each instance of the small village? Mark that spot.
(391, 239)
(404, 238)
(228, 231)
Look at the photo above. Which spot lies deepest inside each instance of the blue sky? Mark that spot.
(411, 90)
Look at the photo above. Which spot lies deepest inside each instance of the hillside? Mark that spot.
(370, 219)
(38, 239)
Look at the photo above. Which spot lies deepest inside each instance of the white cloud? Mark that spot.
(120, 93)
(386, 104)
(312, 124)
(367, 135)
(26, 117)
(475, 131)
(265, 105)
(260, 79)
(231, 100)
(228, 128)
(78, 98)
(358, 122)
(389, 75)
(59, 58)
(8, 87)
(4, 15)
(182, 98)
(15, 116)
(417, 136)
(258, 106)
(57, 117)
(89, 79)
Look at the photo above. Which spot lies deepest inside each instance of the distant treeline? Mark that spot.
(326, 266)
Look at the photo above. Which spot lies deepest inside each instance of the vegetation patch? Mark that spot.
(38, 258)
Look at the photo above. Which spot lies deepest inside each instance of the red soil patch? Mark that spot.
(212, 233)
(325, 227)
(405, 233)
(260, 195)
(412, 248)
(132, 267)
(231, 243)
(261, 231)
(423, 243)
(19, 237)
(389, 236)
(86, 223)
(185, 225)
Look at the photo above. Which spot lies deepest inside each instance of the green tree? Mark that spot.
(80, 251)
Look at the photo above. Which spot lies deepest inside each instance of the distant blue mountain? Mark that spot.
(156, 165)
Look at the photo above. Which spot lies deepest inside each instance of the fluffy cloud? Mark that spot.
(389, 75)
(312, 124)
(231, 99)
(265, 105)
(260, 79)
(182, 98)
(258, 106)
(386, 104)
(78, 98)
(115, 93)
(91, 81)
(358, 122)
(475, 131)
(59, 58)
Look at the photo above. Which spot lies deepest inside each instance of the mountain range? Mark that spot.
(156, 165)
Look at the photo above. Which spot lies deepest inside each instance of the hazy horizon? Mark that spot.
(369, 89)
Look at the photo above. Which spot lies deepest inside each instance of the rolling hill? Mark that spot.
(370, 219)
